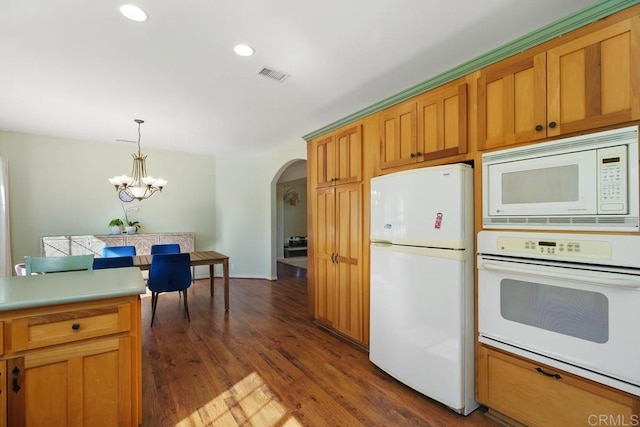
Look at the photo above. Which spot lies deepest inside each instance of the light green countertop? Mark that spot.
(62, 288)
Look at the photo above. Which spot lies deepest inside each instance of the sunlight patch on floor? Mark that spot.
(248, 402)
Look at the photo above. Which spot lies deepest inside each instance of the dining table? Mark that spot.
(209, 258)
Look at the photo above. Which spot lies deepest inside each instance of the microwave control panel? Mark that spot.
(612, 180)
(573, 249)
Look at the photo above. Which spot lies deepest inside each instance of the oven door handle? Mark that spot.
(607, 281)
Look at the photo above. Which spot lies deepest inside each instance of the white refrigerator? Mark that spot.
(422, 322)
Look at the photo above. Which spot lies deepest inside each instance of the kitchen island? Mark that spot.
(70, 348)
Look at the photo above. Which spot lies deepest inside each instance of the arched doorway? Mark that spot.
(289, 213)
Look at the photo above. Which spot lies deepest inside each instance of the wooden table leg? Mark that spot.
(211, 278)
(225, 272)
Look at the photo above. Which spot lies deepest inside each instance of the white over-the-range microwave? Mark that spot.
(587, 182)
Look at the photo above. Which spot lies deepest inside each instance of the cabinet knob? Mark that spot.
(75, 326)
(418, 154)
(412, 155)
(539, 128)
(552, 124)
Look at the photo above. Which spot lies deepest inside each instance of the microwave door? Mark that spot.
(562, 184)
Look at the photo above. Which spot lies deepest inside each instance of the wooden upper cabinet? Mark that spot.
(442, 122)
(325, 153)
(398, 145)
(586, 83)
(432, 126)
(512, 102)
(594, 81)
(339, 157)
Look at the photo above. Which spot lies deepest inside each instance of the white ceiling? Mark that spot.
(78, 69)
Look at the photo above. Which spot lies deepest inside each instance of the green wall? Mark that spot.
(59, 187)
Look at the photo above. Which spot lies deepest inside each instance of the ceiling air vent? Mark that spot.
(273, 74)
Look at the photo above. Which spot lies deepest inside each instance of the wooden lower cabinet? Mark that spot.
(338, 260)
(71, 380)
(523, 391)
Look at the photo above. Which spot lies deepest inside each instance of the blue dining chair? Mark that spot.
(115, 251)
(165, 248)
(169, 273)
(112, 262)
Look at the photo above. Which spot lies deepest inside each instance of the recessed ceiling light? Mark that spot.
(133, 12)
(243, 50)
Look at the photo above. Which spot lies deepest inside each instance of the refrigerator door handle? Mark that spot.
(376, 242)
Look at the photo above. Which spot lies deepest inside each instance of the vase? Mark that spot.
(130, 229)
(115, 229)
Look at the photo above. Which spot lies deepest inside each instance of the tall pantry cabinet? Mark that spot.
(336, 267)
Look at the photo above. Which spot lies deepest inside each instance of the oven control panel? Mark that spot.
(554, 248)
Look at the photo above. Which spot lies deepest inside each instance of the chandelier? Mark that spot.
(138, 186)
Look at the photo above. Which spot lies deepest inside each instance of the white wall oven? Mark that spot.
(587, 182)
(569, 301)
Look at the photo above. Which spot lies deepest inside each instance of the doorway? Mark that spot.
(289, 231)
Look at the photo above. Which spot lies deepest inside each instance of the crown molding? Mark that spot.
(579, 19)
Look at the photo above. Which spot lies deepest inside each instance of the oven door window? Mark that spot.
(574, 312)
(570, 315)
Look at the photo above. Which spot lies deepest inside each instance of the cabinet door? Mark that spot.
(442, 122)
(338, 157)
(398, 145)
(84, 385)
(519, 389)
(594, 81)
(324, 256)
(3, 392)
(348, 160)
(349, 316)
(325, 154)
(512, 102)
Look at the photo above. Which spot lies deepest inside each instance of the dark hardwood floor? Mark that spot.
(264, 363)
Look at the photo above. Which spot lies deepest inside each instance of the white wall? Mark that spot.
(59, 186)
(246, 207)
